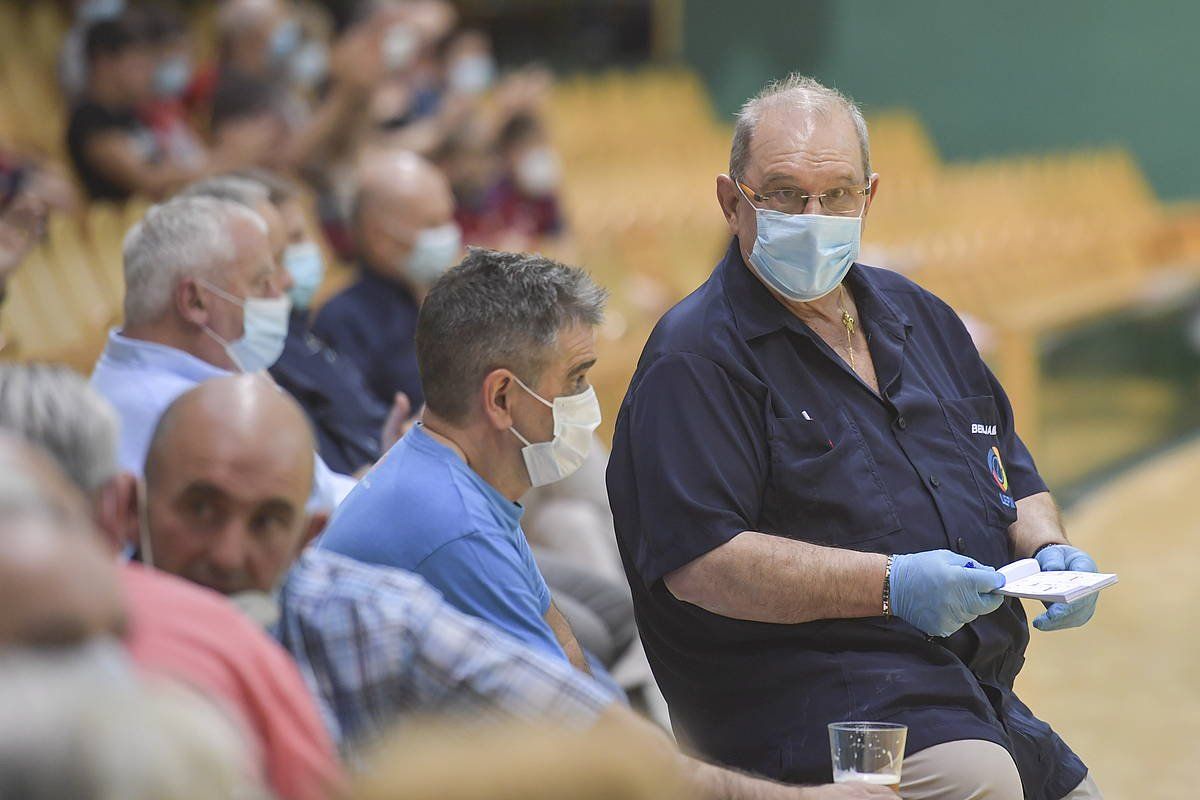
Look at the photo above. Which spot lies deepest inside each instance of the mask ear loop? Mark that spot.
(537, 397)
(219, 292)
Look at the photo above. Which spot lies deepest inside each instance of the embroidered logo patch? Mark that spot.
(996, 467)
(986, 430)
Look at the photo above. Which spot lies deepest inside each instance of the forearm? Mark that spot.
(765, 578)
(1038, 523)
(336, 117)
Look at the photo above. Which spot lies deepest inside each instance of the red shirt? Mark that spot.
(188, 633)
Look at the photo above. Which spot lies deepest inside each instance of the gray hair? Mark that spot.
(249, 193)
(54, 408)
(497, 310)
(798, 91)
(184, 237)
(78, 724)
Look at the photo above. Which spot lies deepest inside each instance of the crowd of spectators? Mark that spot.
(274, 525)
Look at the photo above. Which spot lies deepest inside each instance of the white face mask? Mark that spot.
(803, 256)
(472, 74)
(434, 252)
(576, 417)
(264, 324)
(306, 265)
(538, 172)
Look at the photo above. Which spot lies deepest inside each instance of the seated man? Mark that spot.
(403, 221)
(58, 587)
(501, 339)
(351, 425)
(227, 475)
(201, 301)
(352, 428)
(115, 154)
(172, 629)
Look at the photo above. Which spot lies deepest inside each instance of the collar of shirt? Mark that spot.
(126, 353)
(757, 312)
(507, 512)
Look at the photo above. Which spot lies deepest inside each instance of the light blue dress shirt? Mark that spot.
(141, 379)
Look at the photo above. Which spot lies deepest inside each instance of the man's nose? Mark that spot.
(228, 551)
(813, 206)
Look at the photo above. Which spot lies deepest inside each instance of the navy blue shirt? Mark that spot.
(739, 418)
(347, 418)
(373, 323)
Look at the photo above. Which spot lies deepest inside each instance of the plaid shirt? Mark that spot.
(375, 643)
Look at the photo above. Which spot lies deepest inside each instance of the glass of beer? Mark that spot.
(867, 752)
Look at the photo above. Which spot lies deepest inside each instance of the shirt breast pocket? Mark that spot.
(824, 485)
(974, 422)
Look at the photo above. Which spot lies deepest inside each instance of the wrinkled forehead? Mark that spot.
(799, 138)
(242, 465)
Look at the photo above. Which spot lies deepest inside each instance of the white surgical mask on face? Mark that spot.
(434, 252)
(306, 265)
(576, 417)
(172, 76)
(472, 74)
(264, 324)
(538, 172)
(803, 256)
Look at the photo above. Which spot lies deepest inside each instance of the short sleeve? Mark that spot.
(689, 463)
(487, 577)
(1023, 477)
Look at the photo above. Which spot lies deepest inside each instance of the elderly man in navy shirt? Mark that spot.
(813, 474)
(406, 237)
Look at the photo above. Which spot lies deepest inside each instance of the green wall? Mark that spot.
(1023, 76)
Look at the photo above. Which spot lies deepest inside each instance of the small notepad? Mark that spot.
(1025, 578)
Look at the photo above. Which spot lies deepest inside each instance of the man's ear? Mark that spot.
(497, 394)
(190, 302)
(316, 524)
(116, 509)
(870, 197)
(729, 199)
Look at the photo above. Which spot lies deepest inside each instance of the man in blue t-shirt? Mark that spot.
(504, 345)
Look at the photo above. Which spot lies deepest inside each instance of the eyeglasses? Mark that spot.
(841, 201)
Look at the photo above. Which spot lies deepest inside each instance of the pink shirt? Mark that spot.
(188, 633)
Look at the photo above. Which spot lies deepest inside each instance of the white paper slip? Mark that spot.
(1025, 578)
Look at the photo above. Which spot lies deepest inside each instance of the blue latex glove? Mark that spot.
(938, 593)
(1059, 616)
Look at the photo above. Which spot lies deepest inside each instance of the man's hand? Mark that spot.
(1060, 616)
(938, 593)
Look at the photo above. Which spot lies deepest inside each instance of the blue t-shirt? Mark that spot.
(421, 508)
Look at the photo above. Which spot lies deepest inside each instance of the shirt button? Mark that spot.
(934, 482)
(960, 544)
(901, 423)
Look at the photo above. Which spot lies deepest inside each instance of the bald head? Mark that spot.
(399, 196)
(58, 586)
(228, 474)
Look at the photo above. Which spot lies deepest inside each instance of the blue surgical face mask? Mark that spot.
(472, 74)
(96, 10)
(285, 39)
(171, 77)
(803, 256)
(307, 268)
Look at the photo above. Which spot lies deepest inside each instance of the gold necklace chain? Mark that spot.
(848, 323)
